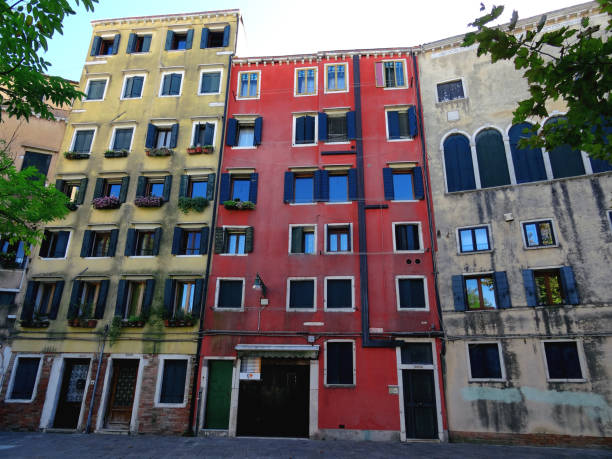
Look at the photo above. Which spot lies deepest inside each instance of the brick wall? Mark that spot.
(539, 439)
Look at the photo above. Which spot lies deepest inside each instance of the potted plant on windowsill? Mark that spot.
(82, 316)
(116, 153)
(75, 155)
(239, 205)
(148, 201)
(8, 260)
(106, 202)
(196, 204)
(159, 151)
(133, 321)
(194, 149)
(180, 319)
(37, 321)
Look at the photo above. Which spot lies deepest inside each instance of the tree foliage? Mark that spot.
(571, 64)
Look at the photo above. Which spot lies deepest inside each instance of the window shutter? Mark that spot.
(157, 241)
(86, 246)
(174, 135)
(95, 47)
(121, 298)
(61, 244)
(393, 124)
(209, 133)
(257, 131)
(99, 188)
(176, 240)
(197, 298)
(219, 239)
(232, 127)
(297, 239)
(146, 43)
(125, 183)
(253, 187)
(204, 240)
(57, 297)
(226, 35)
(82, 189)
(321, 185)
(530, 287)
(412, 122)
(28, 302)
(417, 183)
(169, 296)
(458, 293)
(300, 129)
(210, 186)
(323, 126)
(458, 163)
(184, 186)
(204, 39)
(129, 84)
(309, 129)
(169, 38)
(502, 289)
(73, 307)
(248, 240)
(568, 282)
(116, 43)
(388, 183)
(196, 135)
(175, 83)
(224, 193)
(130, 46)
(166, 84)
(189, 41)
(150, 139)
(380, 75)
(288, 190)
(141, 186)
(352, 184)
(147, 300)
(130, 240)
(351, 125)
(167, 187)
(412, 237)
(112, 245)
(59, 185)
(101, 303)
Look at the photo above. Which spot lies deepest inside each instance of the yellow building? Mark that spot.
(123, 274)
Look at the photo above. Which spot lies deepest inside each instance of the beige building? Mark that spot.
(523, 257)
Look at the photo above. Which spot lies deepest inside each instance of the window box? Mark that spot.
(196, 150)
(8, 260)
(35, 323)
(106, 202)
(116, 153)
(71, 206)
(135, 322)
(159, 152)
(186, 322)
(239, 205)
(148, 201)
(75, 155)
(83, 323)
(197, 204)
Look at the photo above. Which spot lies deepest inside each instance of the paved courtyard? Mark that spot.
(34, 445)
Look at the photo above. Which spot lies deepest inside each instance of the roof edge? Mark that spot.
(162, 16)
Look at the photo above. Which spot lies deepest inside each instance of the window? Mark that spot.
(25, 376)
(336, 77)
(403, 184)
(171, 84)
(411, 293)
(407, 237)
(304, 128)
(73, 191)
(116, 187)
(539, 234)
(340, 363)
(565, 161)
(303, 189)
(230, 294)
(474, 239)
(480, 292)
(210, 82)
(246, 135)
(337, 128)
(179, 40)
(95, 89)
(485, 361)
(234, 240)
(43, 297)
(544, 287)
(338, 238)
(16, 257)
(174, 375)
(238, 187)
(158, 187)
(204, 134)
(301, 294)
(87, 298)
(244, 132)
(450, 91)
(306, 81)
(339, 293)
(458, 163)
(184, 301)
(82, 140)
(401, 124)
(215, 38)
(302, 239)
(563, 360)
(138, 43)
(248, 85)
(54, 244)
(40, 161)
(491, 156)
(338, 188)
(135, 297)
(390, 74)
(190, 241)
(122, 139)
(183, 297)
(197, 187)
(100, 243)
(105, 46)
(143, 242)
(164, 136)
(132, 87)
(528, 162)
(549, 288)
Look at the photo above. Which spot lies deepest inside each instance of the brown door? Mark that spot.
(71, 394)
(122, 388)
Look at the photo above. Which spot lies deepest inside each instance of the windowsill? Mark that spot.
(477, 380)
(17, 400)
(247, 98)
(340, 386)
(302, 203)
(240, 309)
(170, 405)
(425, 309)
(189, 256)
(475, 252)
(93, 100)
(169, 95)
(305, 95)
(468, 309)
(233, 254)
(302, 253)
(244, 148)
(140, 52)
(542, 247)
(343, 142)
(444, 102)
(401, 140)
(326, 309)
(392, 88)
(174, 50)
(96, 258)
(406, 200)
(52, 258)
(141, 256)
(130, 98)
(338, 253)
(338, 202)
(566, 380)
(209, 93)
(289, 309)
(335, 91)
(408, 251)
(299, 145)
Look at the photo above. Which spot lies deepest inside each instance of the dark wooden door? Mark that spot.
(420, 404)
(218, 394)
(72, 392)
(278, 405)
(122, 388)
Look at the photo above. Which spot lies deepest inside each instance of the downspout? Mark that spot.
(196, 368)
(95, 387)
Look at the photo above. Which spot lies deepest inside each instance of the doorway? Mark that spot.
(72, 392)
(420, 404)
(121, 395)
(218, 394)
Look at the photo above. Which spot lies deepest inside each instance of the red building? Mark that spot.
(321, 317)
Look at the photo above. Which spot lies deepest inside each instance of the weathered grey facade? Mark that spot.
(515, 369)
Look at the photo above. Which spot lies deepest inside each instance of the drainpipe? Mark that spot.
(95, 387)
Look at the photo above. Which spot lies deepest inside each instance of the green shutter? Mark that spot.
(210, 187)
(248, 243)
(297, 239)
(219, 239)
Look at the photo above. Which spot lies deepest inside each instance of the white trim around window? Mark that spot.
(160, 376)
(420, 228)
(161, 82)
(536, 220)
(314, 296)
(204, 121)
(218, 70)
(332, 225)
(581, 359)
(450, 80)
(9, 390)
(238, 96)
(425, 293)
(473, 227)
(295, 81)
(395, 108)
(87, 128)
(501, 362)
(316, 131)
(55, 230)
(217, 289)
(89, 80)
(303, 225)
(325, 383)
(346, 78)
(126, 126)
(352, 279)
(130, 75)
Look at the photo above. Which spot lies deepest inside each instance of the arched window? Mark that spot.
(528, 162)
(492, 163)
(564, 160)
(458, 163)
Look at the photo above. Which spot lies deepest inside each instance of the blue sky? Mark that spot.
(274, 27)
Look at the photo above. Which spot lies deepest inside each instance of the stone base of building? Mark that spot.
(535, 439)
(357, 435)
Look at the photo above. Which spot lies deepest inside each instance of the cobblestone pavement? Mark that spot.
(35, 445)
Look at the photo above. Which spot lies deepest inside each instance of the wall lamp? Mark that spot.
(258, 284)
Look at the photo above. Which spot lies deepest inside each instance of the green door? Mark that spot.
(219, 393)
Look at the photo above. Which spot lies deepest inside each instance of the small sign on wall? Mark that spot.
(250, 368)
(393, 390)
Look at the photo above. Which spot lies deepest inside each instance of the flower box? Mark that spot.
(35, 323)
(83, 323)
(179, 322)
(207, 149)
(116, 153)
(75, 155)
(106, 202)
(159, 152)
(148, 201)
(132, 323)
(239, 205)
(196, 204)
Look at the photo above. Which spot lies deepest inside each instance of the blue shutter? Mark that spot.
(176, 240)
(148, 297)
(458, 163)
(417, 183)
(502, 289)
(166, 84)
(130, 46)
(136, 90)
(116, 43)
(86, 243)
(95, 47)
(28, 302)
(189, 40)
(150, 139)
(121, 298)
(197, 298)
(112, 245)
(169, 38)
(130, 240)
(568, 282)
(204, 39)
(183, 187)
(73, 307)
(412, 122)
(530, 287)
(169, 296)
(125, 183)
(253, 187)
(99, 188)
(232, 126)
(204, 240)
(141, 186)
(146, 43)
(174, 135)
(257, 130)
(393, 125)
(352, 184)
(224, 191)
(61, 244)
(300, 129)
(351, 125)
(309, 129)
(175, 84)
(57, 297)
(167, 187)
(82, 189)
(323, 126)
(101, 303)
(226, 35)
(321, 185)
(388, 183)
(210, 186)
(600, 165)
(458, 294)
(209, 133)
(288, 189)
(157, 241)
(529, 162)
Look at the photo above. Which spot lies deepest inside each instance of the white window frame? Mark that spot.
(218, 70)
(352, 308)
(502, 364)
(217, 290)
(169, 72)
(350, 225)
(87, 128)
(130, 75)
(316, 132)
(238, 96)
(89, 80)
(405, 70)
(425, 292)
(55, 230)
(450, 80)
(325, 383)
(336, 113)
(181, 31)
(295, 81)
(403, 170)
(9, 390)
(237, 228)
(127, 126)
(395, 108)
(307, 225)
(581, 360)
(203, 121)
(346, 75)
(160, 376)
(535, 220)
(314, 305)
(245, 121)
(420, 229)
(472, 227)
